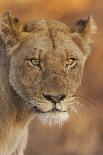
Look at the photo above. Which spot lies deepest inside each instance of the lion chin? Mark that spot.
(53, 118)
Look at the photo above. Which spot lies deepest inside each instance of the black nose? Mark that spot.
(54, 99)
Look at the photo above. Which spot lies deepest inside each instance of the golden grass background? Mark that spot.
(83, 134)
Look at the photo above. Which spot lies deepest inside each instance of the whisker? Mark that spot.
(73, 108)
(84, 100)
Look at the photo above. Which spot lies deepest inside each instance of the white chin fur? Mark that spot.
(53, 118)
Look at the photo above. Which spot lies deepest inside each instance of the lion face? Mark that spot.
(46, 67)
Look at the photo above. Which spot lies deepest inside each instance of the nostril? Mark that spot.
(61, 97)
(54, 99)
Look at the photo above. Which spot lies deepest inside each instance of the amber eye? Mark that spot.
(71, 62)
(34, 62)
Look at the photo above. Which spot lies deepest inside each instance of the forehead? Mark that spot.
(51, 36)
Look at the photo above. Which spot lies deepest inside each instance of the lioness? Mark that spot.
(41, 65)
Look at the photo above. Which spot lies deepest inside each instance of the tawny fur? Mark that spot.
(22, 85)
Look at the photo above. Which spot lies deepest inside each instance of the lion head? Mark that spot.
(46, 63)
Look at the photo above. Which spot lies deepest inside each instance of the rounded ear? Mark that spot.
(11, 24)
(85, 26)
(81, 33)
(12, 29)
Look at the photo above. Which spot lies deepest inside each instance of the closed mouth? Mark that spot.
(37, 110)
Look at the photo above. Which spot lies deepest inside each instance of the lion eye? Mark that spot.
(71, 63)
(34, 62)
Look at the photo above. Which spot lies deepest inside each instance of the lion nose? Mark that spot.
(54, 99)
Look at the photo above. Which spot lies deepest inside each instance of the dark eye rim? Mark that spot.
(36, 64)
(70, 65)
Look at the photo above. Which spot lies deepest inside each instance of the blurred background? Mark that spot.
(82, 135)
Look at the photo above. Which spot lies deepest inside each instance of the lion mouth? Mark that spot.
(70, 105)
(38, 110)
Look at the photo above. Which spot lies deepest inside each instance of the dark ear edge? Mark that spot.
(85, 26)
(81, 25)
(82, 33)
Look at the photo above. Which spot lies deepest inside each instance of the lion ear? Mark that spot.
(85, 27)
(82, 32)
(12, 29)
(11, 24)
